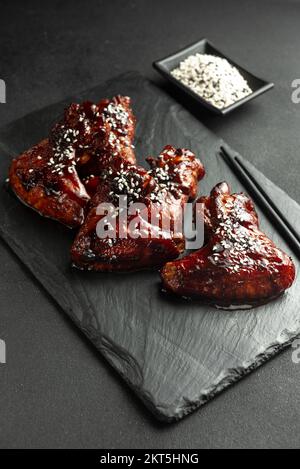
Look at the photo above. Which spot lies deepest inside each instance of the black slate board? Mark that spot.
(176, 355)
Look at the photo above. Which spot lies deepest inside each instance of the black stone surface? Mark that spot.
(55, 390)
(176, 355)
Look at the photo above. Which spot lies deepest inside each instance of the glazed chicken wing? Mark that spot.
(162, 191)
(61, 197)
(98, 134)
(239, 265)
(58, 176)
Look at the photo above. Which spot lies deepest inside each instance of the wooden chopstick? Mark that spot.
(274, 214)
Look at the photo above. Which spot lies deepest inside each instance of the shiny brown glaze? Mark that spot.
(239, 265)
(61, 197)
(170, 182)
(58, 176)
(90, 136)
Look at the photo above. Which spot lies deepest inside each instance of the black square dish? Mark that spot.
(166, 65)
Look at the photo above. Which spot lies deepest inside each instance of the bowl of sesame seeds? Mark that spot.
(211, 78)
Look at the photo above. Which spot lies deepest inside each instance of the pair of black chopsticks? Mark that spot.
(274, 214)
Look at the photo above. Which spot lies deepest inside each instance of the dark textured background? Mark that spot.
(55, 391)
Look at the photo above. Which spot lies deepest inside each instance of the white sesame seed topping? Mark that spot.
(213, 78)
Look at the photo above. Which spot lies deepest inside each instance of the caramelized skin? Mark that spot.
(171, 181)
(62, 198)
(98, 134)
(58, 176)
(239, 265)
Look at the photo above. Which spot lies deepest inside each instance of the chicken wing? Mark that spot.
(160, 193)
(239, 266)
(57, 176)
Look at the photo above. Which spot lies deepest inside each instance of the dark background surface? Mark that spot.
(55, 390)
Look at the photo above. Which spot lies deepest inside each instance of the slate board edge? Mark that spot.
(177, 414)
(178, 411)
